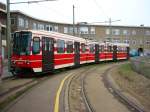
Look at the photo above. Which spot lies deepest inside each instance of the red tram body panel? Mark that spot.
(42, 51)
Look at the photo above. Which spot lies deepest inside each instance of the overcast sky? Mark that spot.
(130, 12)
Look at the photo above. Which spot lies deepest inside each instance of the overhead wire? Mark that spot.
(103, 12)
(30, 2)
(99, 6)
(38, 2)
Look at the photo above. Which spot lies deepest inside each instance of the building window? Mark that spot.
(115, 32)
(133, 32)
(134, 42)
(21, 22)
(92, 30)
(65, 29)
(140, 42)
(56, 28)
(126, 32)
(148, 42)
(116, 40)
(26, 23)
(108, 39)
(84, 30)
(34, 27)
(49, 28)
(75, 30)
(107, 31)
(40, 27)
(12, 21)
(126, 41)
(71, 30)
(60, 46)
(147, 32)
(69, 47)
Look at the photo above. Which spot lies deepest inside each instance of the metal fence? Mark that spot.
(141, 65)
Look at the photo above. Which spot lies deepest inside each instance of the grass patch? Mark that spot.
(126, 71)
(133, 83)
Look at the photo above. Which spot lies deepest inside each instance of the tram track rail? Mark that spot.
(84, 94)
(81, 78)
(14, 94)
(10, 90)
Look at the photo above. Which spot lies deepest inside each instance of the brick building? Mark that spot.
(136, 36)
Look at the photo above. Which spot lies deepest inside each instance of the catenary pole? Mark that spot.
(73, 21)
(0, 55)
(8, 35)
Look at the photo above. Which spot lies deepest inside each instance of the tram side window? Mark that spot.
(36, 45)
(60, 46)
(119, 49)
(92, 48)
(109, 49)
(124, 49)
(50, 45)
(101, 48)
(83, 48)
(69, 47)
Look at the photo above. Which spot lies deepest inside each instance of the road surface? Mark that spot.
(42, 97)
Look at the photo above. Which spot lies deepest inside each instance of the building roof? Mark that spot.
(56, 35)
(20, 12)
(85, 23)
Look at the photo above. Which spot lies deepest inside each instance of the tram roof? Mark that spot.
(55, 35)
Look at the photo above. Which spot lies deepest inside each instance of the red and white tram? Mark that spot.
(122, 50)
(106, 51)
(42, 51)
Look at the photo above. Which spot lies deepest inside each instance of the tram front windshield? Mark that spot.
(21, 43)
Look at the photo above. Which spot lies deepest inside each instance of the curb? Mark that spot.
(111, 85)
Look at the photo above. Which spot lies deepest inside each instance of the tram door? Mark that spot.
(96, 53)
(128, 50)
(76, 53)
(47, 54)
(115, 53)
